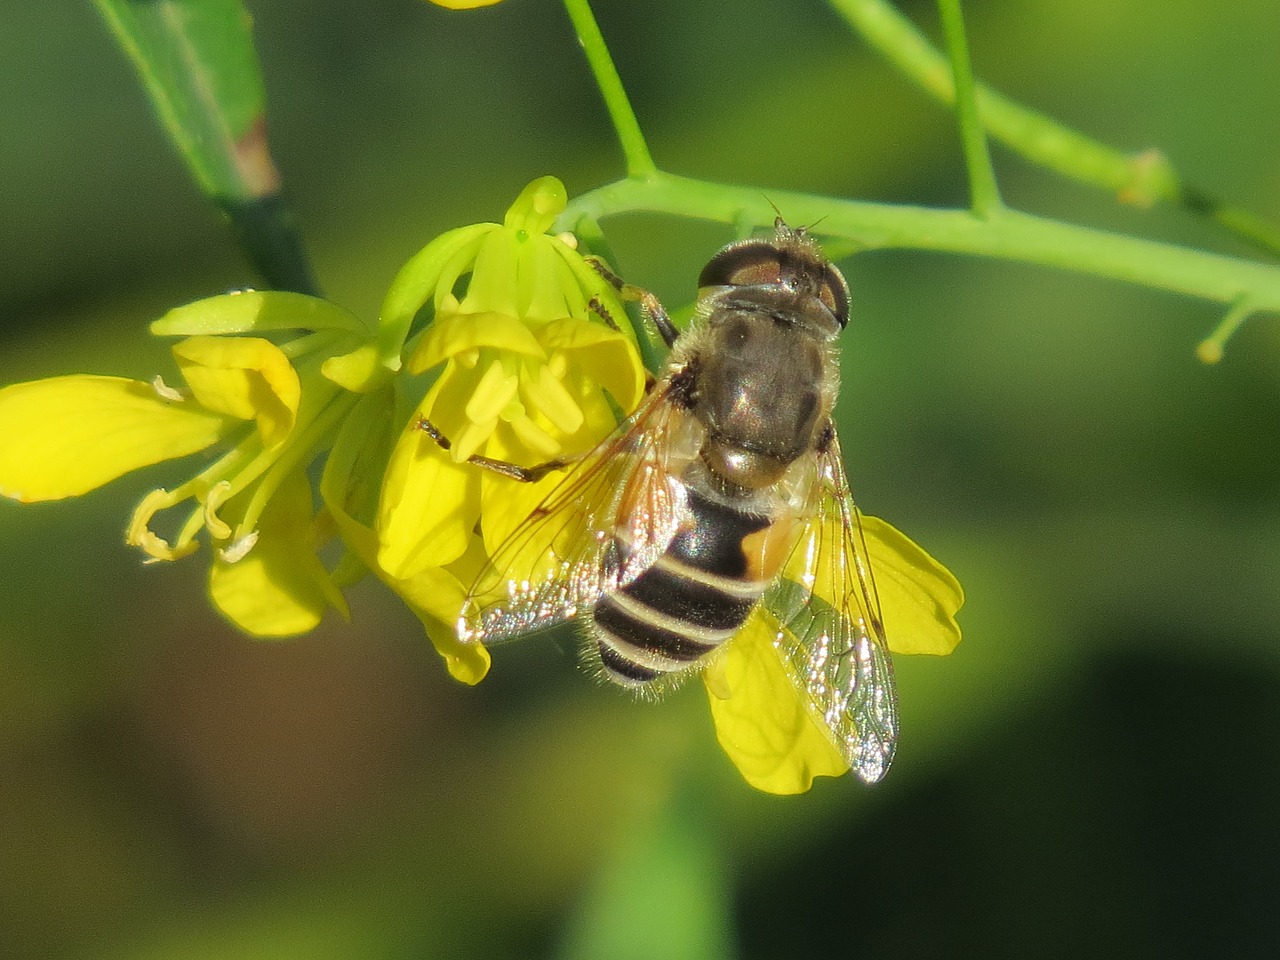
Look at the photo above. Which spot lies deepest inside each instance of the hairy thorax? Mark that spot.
(760, 395)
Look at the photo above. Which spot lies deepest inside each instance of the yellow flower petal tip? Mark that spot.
(463, 4)
(919, 597)
(469, 668)
(761, 721)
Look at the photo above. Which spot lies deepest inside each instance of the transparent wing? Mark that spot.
(830, 633)
(611, 517)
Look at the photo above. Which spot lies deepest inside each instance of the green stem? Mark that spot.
(1141, 179)
(1005, 234)
(634, 148)
(984, 195)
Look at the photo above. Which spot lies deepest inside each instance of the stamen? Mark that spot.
(496, 387)
(544, 393)
(238, 549)
(218, 494)
(139, 533)
(166, 392)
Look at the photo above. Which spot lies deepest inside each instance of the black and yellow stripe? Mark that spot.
(694, 598)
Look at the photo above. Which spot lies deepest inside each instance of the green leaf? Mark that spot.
(197, 62)
(199, 67)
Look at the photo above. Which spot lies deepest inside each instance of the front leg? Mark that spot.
(501, 467)
(650, 305)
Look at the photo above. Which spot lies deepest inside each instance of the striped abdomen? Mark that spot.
(694, 598)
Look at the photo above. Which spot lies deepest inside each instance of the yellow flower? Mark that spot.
(526, 371)
(502, 338)
(273, 407)
(521, 368)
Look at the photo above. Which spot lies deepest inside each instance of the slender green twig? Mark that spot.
(1006, 234)
(984, 195)
(1142, 179)
(634, 148)
(1209, 349)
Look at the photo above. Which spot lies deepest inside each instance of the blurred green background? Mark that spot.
(1096, 771)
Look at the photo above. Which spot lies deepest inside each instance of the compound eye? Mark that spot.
(743, 264)
(834, 294)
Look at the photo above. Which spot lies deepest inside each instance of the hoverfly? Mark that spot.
(722, 497)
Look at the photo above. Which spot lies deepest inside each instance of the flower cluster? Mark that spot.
(317, 470)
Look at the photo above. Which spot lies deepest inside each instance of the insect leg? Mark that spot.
(601, 311)
(650, 306)
(501, 467)
(825, 438)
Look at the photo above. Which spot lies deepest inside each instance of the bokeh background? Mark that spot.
(1096, 771)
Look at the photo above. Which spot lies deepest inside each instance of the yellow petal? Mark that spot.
(435, 596)
(546, 289)
(918, 596)
(591, 286)
(464, 4)
(65, 436)
(249, 310)
(279, 588)
(445, 404)
(428, 507)
(764, 725)
(505, 503)
(603, 355)
(344, 485)
(244, 377)
(454, 333)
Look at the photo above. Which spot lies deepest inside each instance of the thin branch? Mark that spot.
(634, 148)
(1142, 179)
(1006, 235)
(984, 195)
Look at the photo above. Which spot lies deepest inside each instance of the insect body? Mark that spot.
(723, 497)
